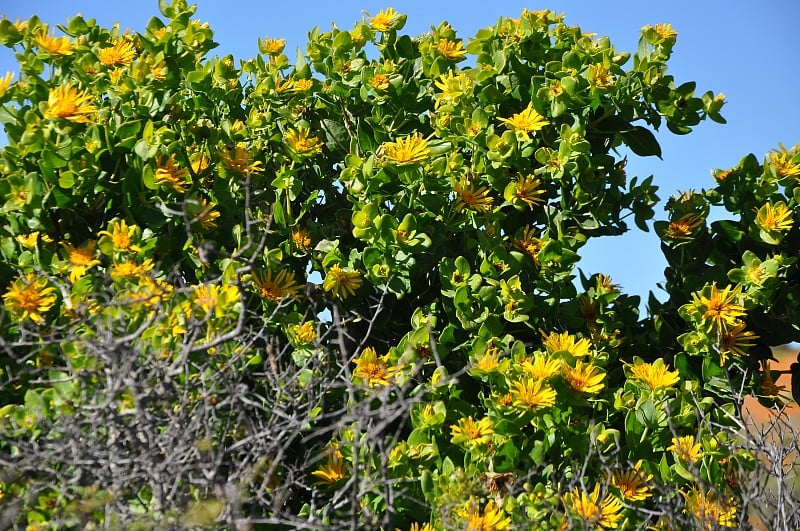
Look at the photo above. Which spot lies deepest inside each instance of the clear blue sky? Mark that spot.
(748, 50)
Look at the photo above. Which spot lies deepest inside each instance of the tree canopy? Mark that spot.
(342, 290)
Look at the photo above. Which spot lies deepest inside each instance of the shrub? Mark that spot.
(340, 292)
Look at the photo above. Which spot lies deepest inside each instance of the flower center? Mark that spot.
(81, 257)
(29, 300)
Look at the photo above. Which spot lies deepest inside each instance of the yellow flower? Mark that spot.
(529, 243)
(120, 235)
(169, 173)
(342, 282)
(301, 239)
(69, 103)
(452, 86)
(282, 85)
(505, 400)
(301, 143)
(654, 375)
(784, 162)
(200, 162)
(115, 76)
(19, 25)
(28, 240)
(492, 518)
(472, 433)
(239, 160)
(531, 393)
(468, 195)
(416, 526)
(600, 76)
(426, 413)
(276, 288)
(451, 50)
(591, 511)
(5, 82)
(721, 175)
(605, 284)
(525, 189)
(372, 369)
(720, 308)
(711, 512)
(379, 82)
(158, 70)
(632, 484)
(304, 332)
(55, 45)
(755, 273)
(206, 215)
(665, 31)
(29, 298)
(540, 367)
(735, 340)
(80, 259)
(555, 342)
(407, 151)
(302, 85)
(205, 297)
(556, 89)
(527, 121)
(334, 469)
(159, 33)
(774, 218)
(128, 270)
(682, 228)
(384, 20)
(272, 46)
(686, 449)
(121, 53)
(584, 378)
(489, 362)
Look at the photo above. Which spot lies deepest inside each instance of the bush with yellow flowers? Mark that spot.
(343, 291)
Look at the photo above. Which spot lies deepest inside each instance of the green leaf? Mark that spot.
(66, 179)
(538, 453)
(342, 40)
(53, 160)
(8, 114)
(405, 46)
(506, 457)
(336, 136)
(728, 228)
(77, 26)
(633, 427)
(682, 471)
(148, 132)
(127, 133)
(199, 79)
(642, 141)
(149, 178)
(144, 150)
(278, 214)
(426, 482)
(712, 370)
(62, 200)
(165, 6)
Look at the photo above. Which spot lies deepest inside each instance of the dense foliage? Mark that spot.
(341, 291)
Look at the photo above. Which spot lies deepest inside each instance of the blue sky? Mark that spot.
(747, 50)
